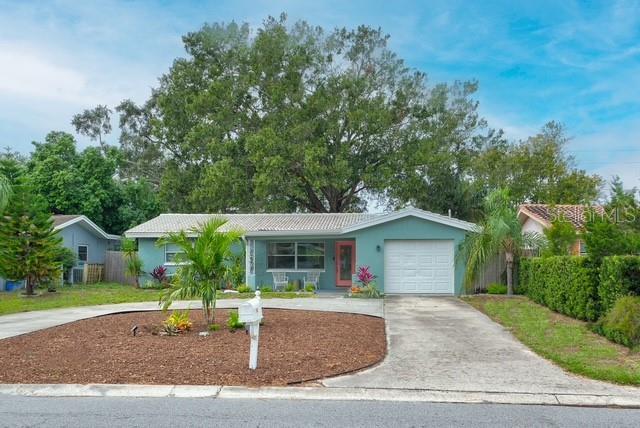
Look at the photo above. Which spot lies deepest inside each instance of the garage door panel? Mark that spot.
(419, 266)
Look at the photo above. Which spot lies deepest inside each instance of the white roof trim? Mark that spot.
(533, 217)
(94, 226)
(414, 212)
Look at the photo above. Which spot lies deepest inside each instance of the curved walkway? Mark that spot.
(26, 322)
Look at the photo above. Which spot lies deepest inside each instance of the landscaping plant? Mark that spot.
(266, 289)
(244, 289)
(622, 323)
(233, 322)
(5, 191)
(561, 236)
(159, 273)
(132, 259)
(497, 289)
(30, 249)
(204, 264)
(178, 322)
(309, 288)
(619, 276)
(499, 232)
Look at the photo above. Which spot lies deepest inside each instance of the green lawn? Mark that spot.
(99, 294)
(565, 341)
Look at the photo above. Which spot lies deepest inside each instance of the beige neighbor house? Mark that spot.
(538, 217)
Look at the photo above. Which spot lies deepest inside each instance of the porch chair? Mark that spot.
(312, 278)
(280, 280)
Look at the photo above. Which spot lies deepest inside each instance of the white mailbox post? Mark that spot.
(250, 313)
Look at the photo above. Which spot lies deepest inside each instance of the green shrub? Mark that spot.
(497, 289)
(310, 288)
(214, 327)
(233, 322)
(266, 289)
(290, 287)
(619, 276)
(244, 289)
(622, 323)
(370, 290)
(565, 284)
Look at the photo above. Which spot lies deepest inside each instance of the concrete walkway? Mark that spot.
(444, 344)
(26, 322)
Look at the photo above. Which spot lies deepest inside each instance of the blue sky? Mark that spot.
(575, 62)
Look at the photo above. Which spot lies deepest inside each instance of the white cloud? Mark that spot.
(26, 72)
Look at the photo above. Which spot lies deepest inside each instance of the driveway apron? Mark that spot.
(441, 343)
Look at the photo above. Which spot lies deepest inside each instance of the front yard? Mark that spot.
(565, 341)
(295, 347)
(98, 294)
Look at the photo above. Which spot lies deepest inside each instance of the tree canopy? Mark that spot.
(290, 117)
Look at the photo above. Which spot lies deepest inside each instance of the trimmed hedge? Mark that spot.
(622, 323)
(619, 276)
(565, 284)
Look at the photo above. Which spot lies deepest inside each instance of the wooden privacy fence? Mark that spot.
(115, 268)
(492, 273)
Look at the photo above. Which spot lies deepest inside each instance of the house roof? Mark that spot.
(545, 214)
(284, 224)
(61, 221)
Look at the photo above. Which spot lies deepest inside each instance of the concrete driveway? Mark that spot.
(441, 343)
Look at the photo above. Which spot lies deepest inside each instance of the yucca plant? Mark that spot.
(205, 262)
(498, 232)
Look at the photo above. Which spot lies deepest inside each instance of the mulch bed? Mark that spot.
(295, 346)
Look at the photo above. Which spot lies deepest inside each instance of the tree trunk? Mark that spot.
(509, 259)
(29, 291)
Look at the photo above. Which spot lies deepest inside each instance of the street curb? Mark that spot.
(317, 393)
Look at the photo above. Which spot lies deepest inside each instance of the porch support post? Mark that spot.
(247, 262)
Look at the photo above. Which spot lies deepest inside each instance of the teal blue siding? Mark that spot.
(153, 256)
(367, 253)
(368, 239)
(265, 278)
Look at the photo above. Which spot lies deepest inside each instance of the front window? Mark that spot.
(171, 254)
(295, 256)
(83, 253)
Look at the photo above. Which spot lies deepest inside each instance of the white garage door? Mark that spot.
(418, 266)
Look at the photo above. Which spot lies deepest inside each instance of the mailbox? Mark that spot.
(250, 313)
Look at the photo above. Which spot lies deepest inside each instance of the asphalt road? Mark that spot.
(196, 412)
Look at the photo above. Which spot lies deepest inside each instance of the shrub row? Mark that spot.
(619, 276)
(622, 323)
(565, 284)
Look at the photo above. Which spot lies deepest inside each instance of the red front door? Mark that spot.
(345, 262)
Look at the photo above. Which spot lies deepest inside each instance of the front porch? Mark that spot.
(298, 260)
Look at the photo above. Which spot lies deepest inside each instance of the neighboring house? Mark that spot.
(538, 217)
(86, 239)
(410, 251)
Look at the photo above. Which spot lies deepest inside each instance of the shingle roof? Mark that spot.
(59, 219)
(293, 224)
(333, 222)
(577, 215)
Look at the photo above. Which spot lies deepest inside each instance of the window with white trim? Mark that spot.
(295, 256)
(170, 253)
(83, 254)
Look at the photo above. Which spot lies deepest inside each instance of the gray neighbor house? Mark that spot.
(82, 236)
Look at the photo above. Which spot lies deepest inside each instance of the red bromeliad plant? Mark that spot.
(159, 273)
(365, 276)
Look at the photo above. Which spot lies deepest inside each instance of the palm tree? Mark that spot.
(134, 263)
(5, 192)
(499, 232)
(205, 264)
